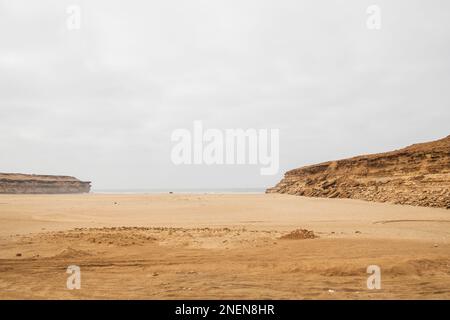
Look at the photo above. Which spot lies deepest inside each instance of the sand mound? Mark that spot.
(299, 234)
(120, 236)
(72, 253)
(205, 237)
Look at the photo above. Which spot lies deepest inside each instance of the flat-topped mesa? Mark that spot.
(17, 183)
(416, 175)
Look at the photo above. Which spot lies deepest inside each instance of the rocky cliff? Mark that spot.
(39, 184)
(416, 175)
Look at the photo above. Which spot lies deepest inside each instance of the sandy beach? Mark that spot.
(220, 246)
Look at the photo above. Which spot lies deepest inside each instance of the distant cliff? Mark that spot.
(416, 175)
(15, 183)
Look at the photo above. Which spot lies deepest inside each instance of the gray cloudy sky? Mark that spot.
(100, 103)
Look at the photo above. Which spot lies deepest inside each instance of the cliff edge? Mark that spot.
(415, 175)
(16, 183)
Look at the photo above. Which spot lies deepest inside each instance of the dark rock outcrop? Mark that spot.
(416, 175)
(15, 183)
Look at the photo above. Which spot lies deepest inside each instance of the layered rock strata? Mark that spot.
(415, 175)
(15, 183)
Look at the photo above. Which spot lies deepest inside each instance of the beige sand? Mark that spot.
(220, 246)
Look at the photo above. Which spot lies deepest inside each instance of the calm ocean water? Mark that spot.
(153, 191)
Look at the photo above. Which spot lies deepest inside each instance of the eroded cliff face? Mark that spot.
(416, 175)
(14, 183)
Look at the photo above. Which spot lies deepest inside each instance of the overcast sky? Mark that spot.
(101, 102)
